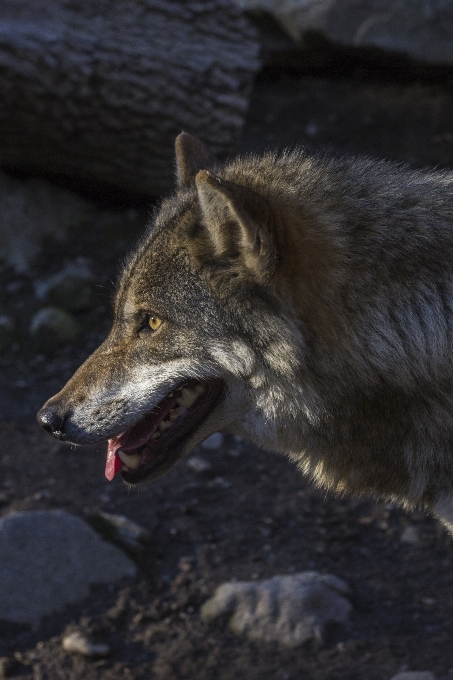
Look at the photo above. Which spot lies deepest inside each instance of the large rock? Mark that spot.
(284, 609)
(32, 210)
(49, 559)
(420, 29)
(99, 90)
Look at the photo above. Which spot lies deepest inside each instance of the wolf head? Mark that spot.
(201, 339)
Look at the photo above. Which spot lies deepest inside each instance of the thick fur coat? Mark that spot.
(319, 291)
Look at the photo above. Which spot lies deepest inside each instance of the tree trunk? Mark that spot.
(98, 90)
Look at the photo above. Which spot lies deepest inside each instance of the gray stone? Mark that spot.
(51, 327)
(214, 441)
(32, 210)
(78, 643)
(49, 559)
(284, 609)
(414, 675)
(420, 29)
(71, 288)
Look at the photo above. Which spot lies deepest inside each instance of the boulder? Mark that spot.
(49, 559)
(286, 609)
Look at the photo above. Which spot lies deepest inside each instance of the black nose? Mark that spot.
(52, 420)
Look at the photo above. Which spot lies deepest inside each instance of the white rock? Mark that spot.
(285, 609)
(410, 535)
(49, 559)
(414, 675)
(214, 441)
(78, 643)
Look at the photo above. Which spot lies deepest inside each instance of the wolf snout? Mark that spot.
(52, 419)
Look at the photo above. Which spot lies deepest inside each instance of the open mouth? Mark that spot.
(155, 443)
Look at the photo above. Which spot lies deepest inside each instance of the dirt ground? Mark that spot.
(252, 515)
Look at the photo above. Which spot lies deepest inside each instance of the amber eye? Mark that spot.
(154, 323)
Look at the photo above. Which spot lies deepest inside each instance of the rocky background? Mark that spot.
(230, 566)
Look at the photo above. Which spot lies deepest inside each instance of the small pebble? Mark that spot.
(410, 535)
(42, 495)
(78, 643)
(6, 323)
(198, 464)
(220, 482)
(429, 601)
(215, 441)
(234, 453)
(185, 564)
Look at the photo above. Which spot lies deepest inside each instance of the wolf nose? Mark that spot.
(51, 420)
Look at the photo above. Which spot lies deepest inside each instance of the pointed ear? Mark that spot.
(191, 156)
(238, 221)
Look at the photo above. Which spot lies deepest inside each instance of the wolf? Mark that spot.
(302, 302)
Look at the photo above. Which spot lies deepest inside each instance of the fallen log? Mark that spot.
(99, 90)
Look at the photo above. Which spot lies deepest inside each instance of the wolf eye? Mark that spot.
(150, 322)
(154, 322)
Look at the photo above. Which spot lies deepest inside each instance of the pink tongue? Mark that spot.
(128, 441)
(113, 462)
(134, 438)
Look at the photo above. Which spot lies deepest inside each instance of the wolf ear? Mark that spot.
(238, 221)
(191, 156)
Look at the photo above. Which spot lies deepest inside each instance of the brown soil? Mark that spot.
(253, 515)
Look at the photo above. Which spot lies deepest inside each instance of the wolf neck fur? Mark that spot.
(354, 404)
